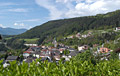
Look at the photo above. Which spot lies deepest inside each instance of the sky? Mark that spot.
(30, 13)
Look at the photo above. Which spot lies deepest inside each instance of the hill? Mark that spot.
(11, 31)
(66, 27)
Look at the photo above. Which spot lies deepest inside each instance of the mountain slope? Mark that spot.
(68, 26)
(11, 31)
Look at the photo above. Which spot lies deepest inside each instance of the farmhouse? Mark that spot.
(104, 50)
(117, 29)
(118, 51)
(31, 44)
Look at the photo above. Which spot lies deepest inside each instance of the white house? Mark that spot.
(31, 44)
(26, 54)
(84, 36)
(66, 58)
(70, 37)
(117, 29)
(82, 48)
(36, 54)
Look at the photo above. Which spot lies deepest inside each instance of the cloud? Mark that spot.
(7, 4)
(29, 20)
(19, 24)
(75, 8)
(15, 24)
(18, 10)
(1, 25)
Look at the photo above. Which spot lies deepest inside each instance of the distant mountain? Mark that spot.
(11, 31)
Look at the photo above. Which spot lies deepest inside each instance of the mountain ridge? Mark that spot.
(11, 31)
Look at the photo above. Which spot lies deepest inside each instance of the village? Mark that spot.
(58, 52)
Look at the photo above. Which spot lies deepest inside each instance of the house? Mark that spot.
(67, 46)
(71, 49)
(45, 53)
(118, 51)
(36, 54)
(73, 53)
(104, 50)
(66, 57)
(84, 36)
(117, 28)
(56, 55)
(78, 35)
(44, 47)
(89, 33)
(104, 56)
(31, 44)
(70, 37)
(35, 48)
(46, 58)
(26, 54)
(61, 45)
(52, 48)
(30, 50)
(11, 58)
(30, 59)
(83, 48)
(61, 48)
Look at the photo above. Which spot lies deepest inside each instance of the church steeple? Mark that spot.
(55, 42)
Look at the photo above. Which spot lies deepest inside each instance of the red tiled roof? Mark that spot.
(27, 52)
(44, 50)
(104, 50)
(34, 46)
(61, 50)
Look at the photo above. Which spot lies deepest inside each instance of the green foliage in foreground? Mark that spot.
(69, 68)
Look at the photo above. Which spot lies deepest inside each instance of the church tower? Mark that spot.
(55, 42)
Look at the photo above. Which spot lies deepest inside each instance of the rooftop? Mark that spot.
(12, 58)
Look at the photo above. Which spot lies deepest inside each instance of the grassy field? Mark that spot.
(31, 40)
(8, 38)
(28, 41)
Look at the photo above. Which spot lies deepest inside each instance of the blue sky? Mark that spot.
(30, 13)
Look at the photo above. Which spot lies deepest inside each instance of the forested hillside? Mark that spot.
(65, 27)
(68, 26)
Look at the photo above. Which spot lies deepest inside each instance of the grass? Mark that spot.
(8, 38)
(28, 41)
(31, 41)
